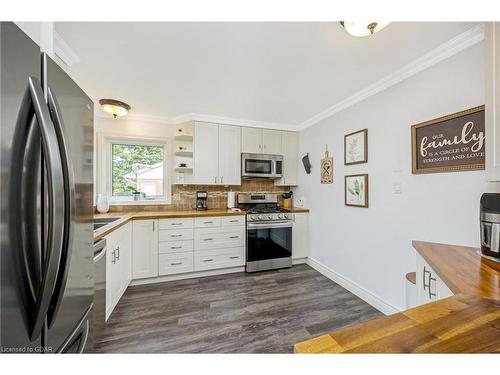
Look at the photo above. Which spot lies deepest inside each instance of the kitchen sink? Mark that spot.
(103, 221)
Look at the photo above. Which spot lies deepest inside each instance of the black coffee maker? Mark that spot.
(201, 200)
(490, 225)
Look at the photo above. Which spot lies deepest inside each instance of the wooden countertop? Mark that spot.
(125, 217)
(468, 322)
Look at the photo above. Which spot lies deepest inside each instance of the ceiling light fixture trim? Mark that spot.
(114, 107)
(363, 28)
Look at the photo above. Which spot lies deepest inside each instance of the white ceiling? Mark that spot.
(281, 73)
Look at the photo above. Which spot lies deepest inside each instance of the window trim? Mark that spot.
(104, 160)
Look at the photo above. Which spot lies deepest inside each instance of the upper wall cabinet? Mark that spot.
(290, 150)
(217, 154)
(265, 141)
(229, 155)
(206, 153)
(492, 100)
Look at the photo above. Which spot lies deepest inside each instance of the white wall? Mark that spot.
(372, 247)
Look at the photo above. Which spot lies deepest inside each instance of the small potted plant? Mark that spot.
(135, 193)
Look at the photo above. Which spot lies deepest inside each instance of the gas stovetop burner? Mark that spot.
(262, 207)
(265, 210)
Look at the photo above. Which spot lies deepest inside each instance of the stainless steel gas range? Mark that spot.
(269, 232)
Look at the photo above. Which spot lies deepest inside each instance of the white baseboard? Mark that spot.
(354, 288)
(190, 275)
(299, 261)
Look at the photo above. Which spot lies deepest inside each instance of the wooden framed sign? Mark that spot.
(450, 143)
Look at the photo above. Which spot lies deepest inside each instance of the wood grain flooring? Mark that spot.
(265, 312)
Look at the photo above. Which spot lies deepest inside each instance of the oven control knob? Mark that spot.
(259, 217)
(270, 217)
(281, 216)
(286, 216)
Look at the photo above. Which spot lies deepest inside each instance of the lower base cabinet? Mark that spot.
(300, 235)
(145, 249)
(430, 287)
(219, 258)
(118, 265)
(173, 263)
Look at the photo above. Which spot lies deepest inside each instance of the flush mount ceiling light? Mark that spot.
(360, 28)
(115, 108)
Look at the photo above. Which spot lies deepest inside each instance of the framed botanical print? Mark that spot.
(356, 147)
(356, 190)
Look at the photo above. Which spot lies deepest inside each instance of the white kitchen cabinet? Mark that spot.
(118, 265)
(492, 100)
(144, 249)
(206, 153)
(229, 155)
(260, 141)
(430, 287)
(300, 235)
(251, 140)
(290, 150)
(271, 142)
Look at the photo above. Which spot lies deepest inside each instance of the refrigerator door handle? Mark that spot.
(69, 196)
(34, 100)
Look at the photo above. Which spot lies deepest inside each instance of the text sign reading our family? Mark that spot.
(451, 143)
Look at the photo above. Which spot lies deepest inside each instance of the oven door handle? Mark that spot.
(280, 224)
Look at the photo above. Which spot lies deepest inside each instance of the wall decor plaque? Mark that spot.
(327, 168)
(356, 147)
(448, 144)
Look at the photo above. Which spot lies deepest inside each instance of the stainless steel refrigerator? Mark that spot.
(46, 187)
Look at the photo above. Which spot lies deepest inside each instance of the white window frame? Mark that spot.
(104, 163)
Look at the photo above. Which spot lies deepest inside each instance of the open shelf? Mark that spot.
(183, 153)
(183, 169)
(183, 137)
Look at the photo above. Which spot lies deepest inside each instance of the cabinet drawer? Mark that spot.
(233, 220)
(220, 258)
(170, 264)
(175, 235)
(218, 238)
(207, 222)
(176, 223)
(175, 246)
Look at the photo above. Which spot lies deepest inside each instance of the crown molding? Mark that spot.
(232, 121)
(450, 48)
(64, 51)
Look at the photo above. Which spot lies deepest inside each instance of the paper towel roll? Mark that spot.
(231, 199)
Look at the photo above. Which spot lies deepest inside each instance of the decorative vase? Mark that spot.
(102, 203)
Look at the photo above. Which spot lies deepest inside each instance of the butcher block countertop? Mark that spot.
(468, 322)
(126, 216)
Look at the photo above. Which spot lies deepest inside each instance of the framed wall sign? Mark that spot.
(356, 190)
(450, 143)
(356, 147)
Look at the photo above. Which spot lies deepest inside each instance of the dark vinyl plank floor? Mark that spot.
(265, 312)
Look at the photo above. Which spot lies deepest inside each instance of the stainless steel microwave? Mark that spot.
(261, 166)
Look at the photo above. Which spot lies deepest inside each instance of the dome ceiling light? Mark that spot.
(115, 108)
(358, 28)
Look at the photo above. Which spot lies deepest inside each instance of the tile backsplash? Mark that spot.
(183, 196)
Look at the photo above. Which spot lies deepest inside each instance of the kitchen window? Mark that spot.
(134, 170)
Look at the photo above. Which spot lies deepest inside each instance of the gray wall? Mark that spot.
(372, 247)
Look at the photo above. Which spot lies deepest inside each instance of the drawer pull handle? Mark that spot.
(233, 221)
(208, 222)
(235, 257)
(208, 239)
(176, 235)
(176, 247)
(176, 264)
(234, 237)
(208, 260)
(175, 223)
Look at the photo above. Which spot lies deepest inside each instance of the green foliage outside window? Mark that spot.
(127, 161)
